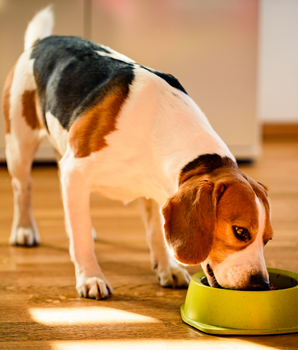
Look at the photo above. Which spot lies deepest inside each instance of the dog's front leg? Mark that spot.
(169, 273)
(90, 281)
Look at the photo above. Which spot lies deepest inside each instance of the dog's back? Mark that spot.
(61, 78)
(73, 75)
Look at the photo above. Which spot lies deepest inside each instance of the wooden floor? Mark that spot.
(40, 308)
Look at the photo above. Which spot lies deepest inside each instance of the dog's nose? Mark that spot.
(257, 282)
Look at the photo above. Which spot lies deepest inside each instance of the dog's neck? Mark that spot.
(183, 134)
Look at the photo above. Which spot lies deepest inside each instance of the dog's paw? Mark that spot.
(24, 236)
(173, 277)
(94, 288)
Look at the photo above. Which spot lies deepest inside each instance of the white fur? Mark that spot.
(114, 54)
(61, 134)
(40, 27)
(76, 200)
(175, 130)
(237, 268)
(21, 144)
(23, 80)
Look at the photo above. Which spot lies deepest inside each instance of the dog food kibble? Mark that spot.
(272, 287)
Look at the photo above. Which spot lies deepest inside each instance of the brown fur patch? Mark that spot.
(190, 221)
(237, 207)
(88, 132)
(205, 164)
(6, 99)
(29, 109)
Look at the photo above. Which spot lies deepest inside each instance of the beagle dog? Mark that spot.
(127, 131)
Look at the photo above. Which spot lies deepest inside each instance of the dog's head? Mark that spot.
(221, 218)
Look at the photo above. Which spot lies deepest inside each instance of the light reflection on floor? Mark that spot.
(158, 344)
(105, 315)
(85, 315)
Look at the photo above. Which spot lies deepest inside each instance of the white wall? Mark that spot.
(278, 61)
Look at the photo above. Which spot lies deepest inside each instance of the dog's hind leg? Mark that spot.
(22, 138)
(169, 273)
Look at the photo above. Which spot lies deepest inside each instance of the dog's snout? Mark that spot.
(257, 282)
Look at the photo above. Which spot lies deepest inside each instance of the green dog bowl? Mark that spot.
(224, 311)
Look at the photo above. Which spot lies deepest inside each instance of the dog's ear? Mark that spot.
(258, 188)
(190, 217)
(264, 188)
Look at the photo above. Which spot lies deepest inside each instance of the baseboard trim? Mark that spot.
(283, 131)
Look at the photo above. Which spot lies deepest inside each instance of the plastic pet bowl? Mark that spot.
(224, 311)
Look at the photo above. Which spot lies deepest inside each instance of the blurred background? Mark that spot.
(238, 59)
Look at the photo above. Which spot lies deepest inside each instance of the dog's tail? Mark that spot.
(40, 27)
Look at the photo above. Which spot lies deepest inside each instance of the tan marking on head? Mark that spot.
(206, 164)
(237, 207)
(200, 171)
(6, 99)
(29, 109)
(88, 133)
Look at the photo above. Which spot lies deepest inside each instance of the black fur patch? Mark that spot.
(71, 76)
(209, 161)
(170, 79)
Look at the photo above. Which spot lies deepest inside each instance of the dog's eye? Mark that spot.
(241, 233)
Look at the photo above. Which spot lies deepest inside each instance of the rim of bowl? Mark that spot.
(200, 275)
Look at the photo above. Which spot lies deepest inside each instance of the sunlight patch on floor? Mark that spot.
(110, 345)
(212, 343)
(84, 315)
